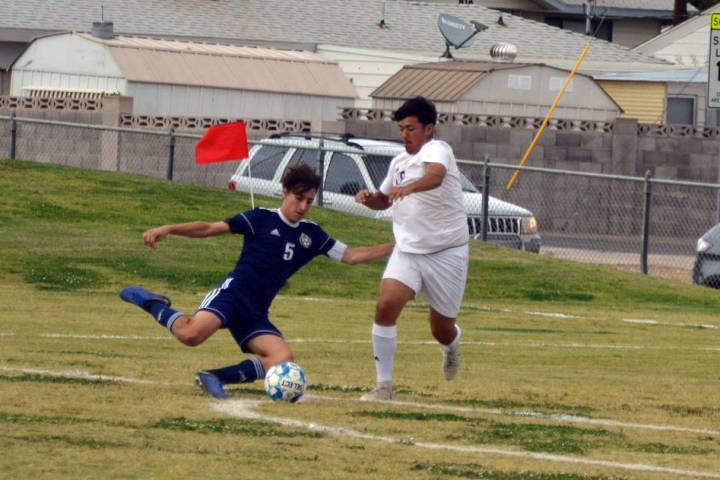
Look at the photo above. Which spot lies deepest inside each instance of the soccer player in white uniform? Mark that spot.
(431, 241)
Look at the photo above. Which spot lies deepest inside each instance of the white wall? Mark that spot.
(583, 100)
(368, 69)
(66, 61)
(690, 49)
(155, 99)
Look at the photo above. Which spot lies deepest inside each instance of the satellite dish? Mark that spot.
(457, 32)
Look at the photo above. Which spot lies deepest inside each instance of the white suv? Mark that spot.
(353, 163)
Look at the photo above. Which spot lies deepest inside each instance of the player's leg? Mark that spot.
(155, 304)
(270, 349)
(191, 331)
(253, 332)
(399, 284)
(447, 333)
(444, 275)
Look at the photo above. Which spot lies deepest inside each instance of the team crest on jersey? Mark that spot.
(305, 240)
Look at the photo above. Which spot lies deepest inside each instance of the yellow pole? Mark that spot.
(547, 117)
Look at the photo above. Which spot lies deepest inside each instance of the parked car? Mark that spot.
(364, 163)
(707, 259)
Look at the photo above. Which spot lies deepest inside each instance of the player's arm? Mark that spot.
(373, 200)
(191, 229)
(355, 255)
(433, 178)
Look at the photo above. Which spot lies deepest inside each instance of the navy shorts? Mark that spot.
(238, 313)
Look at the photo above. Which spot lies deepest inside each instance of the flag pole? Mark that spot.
(252, 196)
(547, 117)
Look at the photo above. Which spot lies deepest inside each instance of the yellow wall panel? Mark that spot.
(644, 101)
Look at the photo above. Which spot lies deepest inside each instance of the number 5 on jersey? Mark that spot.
(289, 251)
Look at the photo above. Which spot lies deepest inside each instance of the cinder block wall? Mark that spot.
(561, 203)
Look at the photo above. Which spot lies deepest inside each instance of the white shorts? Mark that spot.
(440, 277)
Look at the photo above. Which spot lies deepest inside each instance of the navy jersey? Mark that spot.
(273, 250)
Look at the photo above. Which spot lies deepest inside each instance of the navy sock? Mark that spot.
(163, 314)
(244, 372)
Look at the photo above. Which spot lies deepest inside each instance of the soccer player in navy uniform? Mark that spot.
(277, 244)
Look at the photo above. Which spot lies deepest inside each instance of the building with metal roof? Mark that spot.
(408, 27)
(514, 89)
(170, 77)
(371, 39)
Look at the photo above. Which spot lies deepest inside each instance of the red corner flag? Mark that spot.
(221, 143)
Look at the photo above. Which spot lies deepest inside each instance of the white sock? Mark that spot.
(384, 341)
(456, 340)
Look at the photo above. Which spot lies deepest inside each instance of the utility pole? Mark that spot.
(679, 12)
(587, 10)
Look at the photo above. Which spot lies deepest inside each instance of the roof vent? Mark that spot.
(102, 30)
(503, 52)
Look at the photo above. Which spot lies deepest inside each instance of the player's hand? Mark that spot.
(154, 235)
(363, 196)
(398, 193)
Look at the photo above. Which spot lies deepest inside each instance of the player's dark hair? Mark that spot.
(419, 107)
(300, 178)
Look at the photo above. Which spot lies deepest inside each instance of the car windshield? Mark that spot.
(377, 166)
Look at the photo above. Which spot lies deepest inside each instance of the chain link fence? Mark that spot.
(633, 223)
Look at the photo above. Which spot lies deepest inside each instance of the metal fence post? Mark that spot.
(13, 135)
(485, 197)
(717, 194)
(321, 170)
(646, 224)
(171, 154)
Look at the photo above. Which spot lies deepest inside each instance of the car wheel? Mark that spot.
(712, 282)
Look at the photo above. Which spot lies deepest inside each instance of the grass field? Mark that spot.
(570, 371)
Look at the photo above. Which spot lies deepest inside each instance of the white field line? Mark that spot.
(558, 315)
(599, 346)
(518, 344)
(671, 324)
(553, 315)
(560, 418)
(104, 336)
(244, 409)
(78, 374)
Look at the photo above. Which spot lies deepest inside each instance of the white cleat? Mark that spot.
(383, 391)
(451, 357)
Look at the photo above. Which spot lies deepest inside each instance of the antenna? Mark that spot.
(457, 32)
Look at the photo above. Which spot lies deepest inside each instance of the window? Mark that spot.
(520, 82)
(304, 155)
(680, 110)
(344, 176)
(377, 167)
(265, 162)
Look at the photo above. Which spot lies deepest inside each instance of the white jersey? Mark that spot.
(430, 221)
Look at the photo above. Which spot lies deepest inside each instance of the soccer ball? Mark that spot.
(285, 381)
